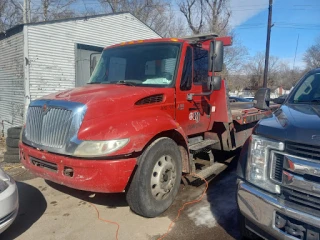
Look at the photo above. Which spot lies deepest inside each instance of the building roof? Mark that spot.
(18, 28)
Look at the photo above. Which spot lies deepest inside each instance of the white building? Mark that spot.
(41, 58)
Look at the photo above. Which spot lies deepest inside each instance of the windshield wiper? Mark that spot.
(125, 82)
(94, 83)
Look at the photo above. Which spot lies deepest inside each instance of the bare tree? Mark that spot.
(53, 9)
(254, 69)
(154, 13)
(193, 11)
(10, 14)
(312, 55)
(288, 77)
(206, 15)
(217, 15)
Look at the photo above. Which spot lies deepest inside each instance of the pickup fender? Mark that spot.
(243, 159)
(139, 127)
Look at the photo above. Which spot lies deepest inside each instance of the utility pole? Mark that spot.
(29, 11)
(266, 64)
(25, 11)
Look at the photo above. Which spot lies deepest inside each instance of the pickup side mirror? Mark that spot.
(262, 99)
(215, 56)
(279, 100)
(214, 83)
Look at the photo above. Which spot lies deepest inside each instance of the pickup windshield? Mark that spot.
(149, 64)
(308, 91)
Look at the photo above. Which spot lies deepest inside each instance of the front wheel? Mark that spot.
(157, 179)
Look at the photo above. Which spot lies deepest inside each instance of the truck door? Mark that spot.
(193, 116)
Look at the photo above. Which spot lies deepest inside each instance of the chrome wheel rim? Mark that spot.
(163, 177)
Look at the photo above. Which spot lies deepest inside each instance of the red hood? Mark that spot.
(103, 100)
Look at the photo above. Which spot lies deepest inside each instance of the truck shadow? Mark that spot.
(110, 200)
(221, 195)
(32, 206)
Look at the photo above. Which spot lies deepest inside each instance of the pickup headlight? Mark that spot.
(99, 148)
(258, 165)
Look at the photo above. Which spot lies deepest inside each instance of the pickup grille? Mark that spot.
(277, 167)
(302, 199)
(48, 128)
(303, 150)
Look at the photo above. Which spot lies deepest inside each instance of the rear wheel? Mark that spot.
(157, 179)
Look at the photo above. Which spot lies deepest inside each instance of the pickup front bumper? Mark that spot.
(84, 174)
(269, 216)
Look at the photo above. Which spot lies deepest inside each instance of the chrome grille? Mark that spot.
(303, 150)
(277, 167)
(48, 128)
(300, 198)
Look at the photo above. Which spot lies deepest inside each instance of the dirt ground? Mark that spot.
(51, 211)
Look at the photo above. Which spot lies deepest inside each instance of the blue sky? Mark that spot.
(290, 18)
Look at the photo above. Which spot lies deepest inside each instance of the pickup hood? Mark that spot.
(106, 99)
(292, 122)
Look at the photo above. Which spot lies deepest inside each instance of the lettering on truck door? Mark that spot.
(194, 115)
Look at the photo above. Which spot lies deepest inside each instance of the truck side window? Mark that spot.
(186, 78)
(200, 66)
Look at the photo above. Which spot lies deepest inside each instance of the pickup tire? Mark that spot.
(156, 180)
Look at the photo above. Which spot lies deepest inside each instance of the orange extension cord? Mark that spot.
(172, 222)
(187, 203)
(107, 221)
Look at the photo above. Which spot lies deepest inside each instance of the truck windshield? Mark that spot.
(308, 91)
(152, 64)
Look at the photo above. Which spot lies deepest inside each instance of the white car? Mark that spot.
(9, 201)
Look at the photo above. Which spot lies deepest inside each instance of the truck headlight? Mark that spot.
(99, 148)
(258, 162)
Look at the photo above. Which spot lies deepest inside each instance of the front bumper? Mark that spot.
(89, 175)
(260, 209)
(9, 204)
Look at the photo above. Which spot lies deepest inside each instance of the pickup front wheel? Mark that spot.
(156, 180)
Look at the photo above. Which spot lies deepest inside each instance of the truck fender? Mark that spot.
(139, 129)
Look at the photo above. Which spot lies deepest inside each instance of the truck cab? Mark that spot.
(279, 170)
(148, 109)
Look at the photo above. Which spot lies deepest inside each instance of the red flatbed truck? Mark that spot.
(149, 107)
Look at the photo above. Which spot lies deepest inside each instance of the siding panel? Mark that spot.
(11, 82)
(51, 47)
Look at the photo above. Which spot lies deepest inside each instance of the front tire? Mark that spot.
(157, 179)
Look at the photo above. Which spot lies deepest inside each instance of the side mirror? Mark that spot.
(279, 100)
(215, 56)
(214, 83)
(262, 99)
